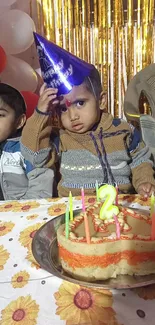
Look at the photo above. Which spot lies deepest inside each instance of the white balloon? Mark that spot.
(19, 74)
(16, 31)
(3, 10)
(39, 72)
(6, 3)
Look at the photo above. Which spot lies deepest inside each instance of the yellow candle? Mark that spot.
(108, 192)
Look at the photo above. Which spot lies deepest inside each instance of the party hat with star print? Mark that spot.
(60, 69)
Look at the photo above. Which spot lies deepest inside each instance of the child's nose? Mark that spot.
(73, 114)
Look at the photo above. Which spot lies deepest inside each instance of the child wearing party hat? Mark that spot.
(91, 145)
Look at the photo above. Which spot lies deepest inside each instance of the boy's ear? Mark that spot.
(21, 121)
(103, 101)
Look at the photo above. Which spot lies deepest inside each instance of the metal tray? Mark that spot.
(45, 251)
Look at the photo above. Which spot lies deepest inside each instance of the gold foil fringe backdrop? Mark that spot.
(116, 36)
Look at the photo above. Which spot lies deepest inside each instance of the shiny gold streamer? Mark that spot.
(39, 11)
(70, 27)
(48, 19)
(84, 31)
(77, 28)
(95, 36)
(145, 21)
(130, 39)
(117, 18)
(108, 55)
(102, 42)
(88, 30)
(63, 9)
(150, 31)
(99, 32)
(138, 41)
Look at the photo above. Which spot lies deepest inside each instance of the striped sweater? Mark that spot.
(112, 153)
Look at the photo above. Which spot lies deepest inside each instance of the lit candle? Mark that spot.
(87, 232)
(118, 231)
(83, 200)
(153, 224)
(67, 223)
(71, 206)
(97, 196)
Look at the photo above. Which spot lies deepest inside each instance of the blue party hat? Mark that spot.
(60, 69)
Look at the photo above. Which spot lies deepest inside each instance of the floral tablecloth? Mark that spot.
(30, 295)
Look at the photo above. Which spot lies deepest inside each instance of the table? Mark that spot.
(30, 295)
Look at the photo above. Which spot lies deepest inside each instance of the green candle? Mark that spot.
(71, 206)
(67, 223)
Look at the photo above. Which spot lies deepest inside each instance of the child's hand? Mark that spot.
(146, 189)
(47, 100)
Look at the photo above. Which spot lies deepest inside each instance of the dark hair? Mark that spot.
(93, 83)
(12, 98)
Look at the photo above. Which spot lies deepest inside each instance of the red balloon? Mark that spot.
(31, 101)
(3, 59)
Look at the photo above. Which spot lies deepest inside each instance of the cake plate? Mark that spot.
(45, 251)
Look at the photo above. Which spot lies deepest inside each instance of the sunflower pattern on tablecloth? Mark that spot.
(4, 255)
(32, 217)
(134, 198)
(67, 303)
(57, 209)
(20, 279)
(31, 259)
(23, 311)
(8, 206)
(146, 293)
(26, 206)
(6, 227)
(89, 200)
(27, 234)
(85, 305)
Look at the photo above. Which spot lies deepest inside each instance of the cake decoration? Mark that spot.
(120, 244)
(108, 192)
(71, 206)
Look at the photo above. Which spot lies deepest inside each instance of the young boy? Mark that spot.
(19, 180)
(91, 144)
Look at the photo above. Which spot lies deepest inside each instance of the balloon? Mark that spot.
(2, 59)
(17, 35)
(40, 83)
(19, 74)
(6, 3)
(3, 10)
(39, 72)
(31, 101)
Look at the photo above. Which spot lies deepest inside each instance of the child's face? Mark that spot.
(79, 110)
(8, 122)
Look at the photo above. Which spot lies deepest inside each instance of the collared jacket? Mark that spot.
(19, 179)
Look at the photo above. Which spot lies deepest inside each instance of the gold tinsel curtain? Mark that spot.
(116, 36)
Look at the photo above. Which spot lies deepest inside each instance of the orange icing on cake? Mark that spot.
(79, 260)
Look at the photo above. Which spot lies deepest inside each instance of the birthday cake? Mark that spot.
(107, 256)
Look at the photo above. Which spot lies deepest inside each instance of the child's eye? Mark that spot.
(2, 115)
(80, 103)
(63, 109)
